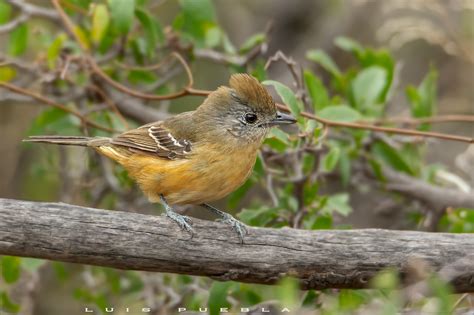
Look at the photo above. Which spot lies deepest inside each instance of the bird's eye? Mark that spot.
(250, 118)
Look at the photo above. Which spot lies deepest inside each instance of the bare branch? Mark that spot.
(409, 132)
(7, 27)
(438, 197)
(27, 11)
(34, 10)
(320, 259)
(421, 120)
(45, 100)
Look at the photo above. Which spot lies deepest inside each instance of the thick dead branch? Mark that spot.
(435, 196)
(320, 259)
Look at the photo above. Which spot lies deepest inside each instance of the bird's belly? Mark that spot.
(192, 181)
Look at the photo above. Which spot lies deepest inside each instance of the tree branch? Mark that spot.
(435, 196)
(320, 259)
(34, 10)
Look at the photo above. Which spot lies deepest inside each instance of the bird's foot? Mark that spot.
(183, 221)
(238, 226)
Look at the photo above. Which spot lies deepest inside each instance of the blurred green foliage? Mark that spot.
(360, 92)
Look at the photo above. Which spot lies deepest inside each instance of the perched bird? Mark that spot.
(198, 156)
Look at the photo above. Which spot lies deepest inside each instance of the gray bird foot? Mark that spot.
(182, 220)
(238, 226)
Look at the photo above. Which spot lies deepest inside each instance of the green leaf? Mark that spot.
(153, 30)
(141, 76)
(55, 49)
(82, 36)
(100, 22)
(7, 73)
(84, 4)
(331, 159)
(5, 12)
(444, 294)
(287, 96)
(280, 135)
(196, 19)
(139, 48)
(348, 44)
(308, 164)
(276, 144)
(60, 270)
(458, 221)
(10, 268)
(311, 298)
(323, 222)
(54, 120)
(218, 296)
(368, 86)
(377, 169)
(386, 279)
(338, 203)
(122, 14)
(227, 44)
(324, 60)
(345, 168)
(18, 41)
(317, 91)
(251, 42)
(213, 36)
(340, 113)
(423, 99)
(201, 10)
(234, 198)
(350, 299)
(287, 292)
(369, 57)
(7, 305)
(391, 157)
(259, 216)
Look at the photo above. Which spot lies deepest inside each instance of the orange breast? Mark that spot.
(209, 174)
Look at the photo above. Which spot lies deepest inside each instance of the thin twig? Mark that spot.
(187, 90)
(50, 102)
(7, 27)
(34, 10)
(421, 120)
(69, 25)
(110, 103)
(152, 67)
(409, 132)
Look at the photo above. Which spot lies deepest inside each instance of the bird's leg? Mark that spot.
(182, 220)
(238, 226)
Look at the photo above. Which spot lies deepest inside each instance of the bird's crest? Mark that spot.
(252, 92)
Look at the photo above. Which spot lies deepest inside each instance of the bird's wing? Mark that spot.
(156, 139)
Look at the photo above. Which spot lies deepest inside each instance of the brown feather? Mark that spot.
(154, 138)
(252, 92)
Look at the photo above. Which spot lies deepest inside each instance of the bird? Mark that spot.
(194, 157)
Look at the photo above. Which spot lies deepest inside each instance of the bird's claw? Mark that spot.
(183, 221)
(238, 226)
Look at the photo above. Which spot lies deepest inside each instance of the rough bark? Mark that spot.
(320, 259)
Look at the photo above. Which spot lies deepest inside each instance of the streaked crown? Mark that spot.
(252, 93)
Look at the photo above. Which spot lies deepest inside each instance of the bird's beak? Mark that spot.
(282, 119)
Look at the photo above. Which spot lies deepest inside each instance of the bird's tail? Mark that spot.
(70, 140)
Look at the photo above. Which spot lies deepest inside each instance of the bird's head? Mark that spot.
(244, 111)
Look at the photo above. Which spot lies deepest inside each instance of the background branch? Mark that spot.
(437, 197)
(320, 259)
